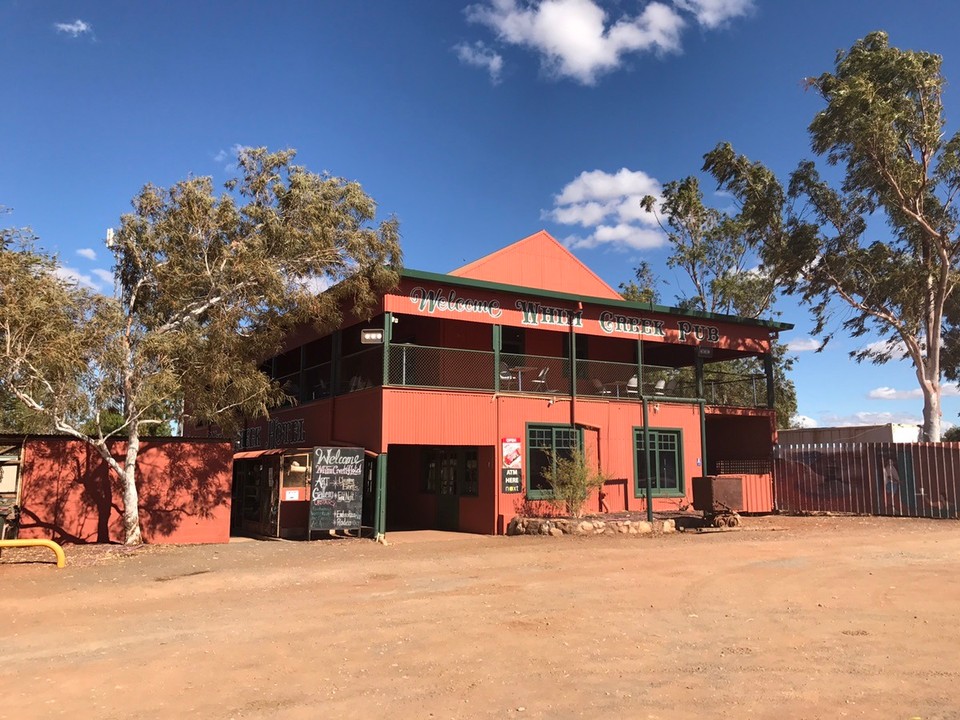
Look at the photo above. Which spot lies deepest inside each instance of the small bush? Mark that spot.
(572, 482)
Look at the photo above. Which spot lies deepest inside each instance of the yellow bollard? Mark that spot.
(57, 550)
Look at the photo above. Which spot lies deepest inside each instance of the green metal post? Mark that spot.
(646, 458)
(639, 367)
(698, 369)
(703, 437)
(497, 334)
(380, 509)
(768, 371)
(573, 374)
(387, 337)
(336, 345)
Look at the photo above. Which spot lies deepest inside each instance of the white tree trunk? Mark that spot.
(131, 498)
(931, 412)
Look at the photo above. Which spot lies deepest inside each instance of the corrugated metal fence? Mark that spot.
(902, 479)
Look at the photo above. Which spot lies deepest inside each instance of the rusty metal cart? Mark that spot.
(719, 498)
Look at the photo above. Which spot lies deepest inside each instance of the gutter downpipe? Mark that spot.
(573, 369)
(646, 456)
(497, 334)
(703, 436)
(701, 392)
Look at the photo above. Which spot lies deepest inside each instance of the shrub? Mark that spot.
(572, 482)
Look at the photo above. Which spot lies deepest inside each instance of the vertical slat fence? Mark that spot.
(896, 479)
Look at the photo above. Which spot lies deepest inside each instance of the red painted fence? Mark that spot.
(900, 479)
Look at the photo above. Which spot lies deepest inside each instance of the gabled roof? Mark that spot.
(540, 262)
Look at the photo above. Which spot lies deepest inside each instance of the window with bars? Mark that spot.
(664, 460)
(544, 445)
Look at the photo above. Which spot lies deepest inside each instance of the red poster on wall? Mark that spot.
(511, 462)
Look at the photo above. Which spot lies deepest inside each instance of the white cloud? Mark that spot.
(889, 393)
(74, 29)
(896, 348)
(605, 187)
(105, 275)
(803, 345)
(228, 158)
(712, 14)
(479, 55)
(315, 284)
(619, 236)
(870, 418)
(88, 253)
(803, 421)
(75, 276)
(578, 39)
(608, 204)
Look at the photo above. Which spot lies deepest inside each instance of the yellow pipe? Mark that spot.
(57, 550)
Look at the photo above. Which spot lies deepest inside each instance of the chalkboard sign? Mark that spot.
(336, 488)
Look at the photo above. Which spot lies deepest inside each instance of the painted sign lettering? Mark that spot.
(336, 496)
(702, 333)
(613, 323)
(431, 301)
(533, 313)
(288, 432)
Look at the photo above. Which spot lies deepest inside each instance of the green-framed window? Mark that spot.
(665, 462)
(546, 443)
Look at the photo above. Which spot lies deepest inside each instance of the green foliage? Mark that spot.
(572, 481)
(208, 286)
(714, 251)
(643, 288)
(883, 125)
(112, 420)
(952, 434)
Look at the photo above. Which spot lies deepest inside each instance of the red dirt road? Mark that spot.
(788, 618)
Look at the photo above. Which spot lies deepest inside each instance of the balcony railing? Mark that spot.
(420, 366)
(720, 388)
(457, 369)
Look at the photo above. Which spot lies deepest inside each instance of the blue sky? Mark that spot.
(475, 123)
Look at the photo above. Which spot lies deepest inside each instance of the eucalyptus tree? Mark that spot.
(207, 286)
(643, 288)
(711, 249)
(880, 246)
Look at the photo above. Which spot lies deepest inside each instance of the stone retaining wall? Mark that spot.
(587, 526)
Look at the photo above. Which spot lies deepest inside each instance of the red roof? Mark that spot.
(540, 262)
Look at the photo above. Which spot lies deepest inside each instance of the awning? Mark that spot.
(250, 454)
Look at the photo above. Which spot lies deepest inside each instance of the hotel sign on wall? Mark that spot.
(536, 314)
(279, 433)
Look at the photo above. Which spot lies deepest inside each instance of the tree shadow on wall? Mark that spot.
(70, 495)
(67, 492)
(183, 481)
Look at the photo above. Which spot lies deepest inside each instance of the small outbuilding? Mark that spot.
(62, 490)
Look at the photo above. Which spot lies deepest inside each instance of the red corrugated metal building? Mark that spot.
(487, 373)
(66, 492)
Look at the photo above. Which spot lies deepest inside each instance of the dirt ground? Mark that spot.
(786, 618)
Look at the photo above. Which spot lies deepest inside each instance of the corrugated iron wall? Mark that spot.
(898, 479)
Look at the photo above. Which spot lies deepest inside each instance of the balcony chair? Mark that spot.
(632, 386)
(540, 381)
(506, 376)
(599, 389)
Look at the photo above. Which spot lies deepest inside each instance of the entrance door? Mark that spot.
(448, 498)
